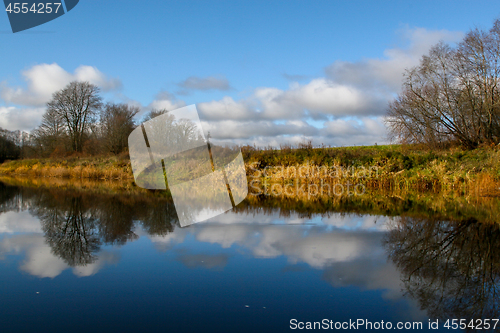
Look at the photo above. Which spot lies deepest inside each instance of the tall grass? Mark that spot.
(382, 167)
(390, 167)
(103, 168)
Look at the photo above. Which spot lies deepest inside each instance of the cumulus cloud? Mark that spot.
(45, 79)
(372, 273)
(25, 119)
(318, 99)
(24, 106)
(231, 129)
(227, 109)
(165, 242)
(167, 104)
(16, 222)
(359, 222)
(337, 132)
(38, 257)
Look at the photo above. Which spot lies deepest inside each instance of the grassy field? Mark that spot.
(383, 167)
(389, 167)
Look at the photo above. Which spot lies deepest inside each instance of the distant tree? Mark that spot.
(453, 95)
(8, 150)
(76, 106)
(51, 134)
(10, 144)
(116, 123)
(154, 113)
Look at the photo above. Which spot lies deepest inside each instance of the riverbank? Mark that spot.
(431, 206)
(391, 167)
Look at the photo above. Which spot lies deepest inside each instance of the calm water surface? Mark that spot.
(73, 261)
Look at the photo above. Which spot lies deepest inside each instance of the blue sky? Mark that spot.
(261, 72)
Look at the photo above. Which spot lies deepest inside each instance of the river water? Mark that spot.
(81, 261)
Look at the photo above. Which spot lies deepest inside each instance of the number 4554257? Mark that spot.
(475, 324)
(36, 8)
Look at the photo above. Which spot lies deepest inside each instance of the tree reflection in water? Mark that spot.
(76, 224)
(451, 268)
(71, 232)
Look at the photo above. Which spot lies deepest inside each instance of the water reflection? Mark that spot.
(451, 269)
(75, 226)
(71, 233)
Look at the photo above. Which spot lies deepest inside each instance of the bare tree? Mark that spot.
(453, 95)
(116, 123)
(51, 134)
(76, 105)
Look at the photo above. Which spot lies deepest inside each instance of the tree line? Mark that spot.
(11, 143)
(453, 95)
(77, 120)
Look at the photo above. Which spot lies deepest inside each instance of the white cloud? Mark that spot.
(226, 109)
(319, 98)
(45, 79)
(354, 131)
(372, 273)
(349, 255)
(362, 222)
(337, 132)
(165, 242)
(231, 129)
(15, 222)
(24, 106)
(166, 104)
(94, 76)
(38, 258)
(24, 119)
